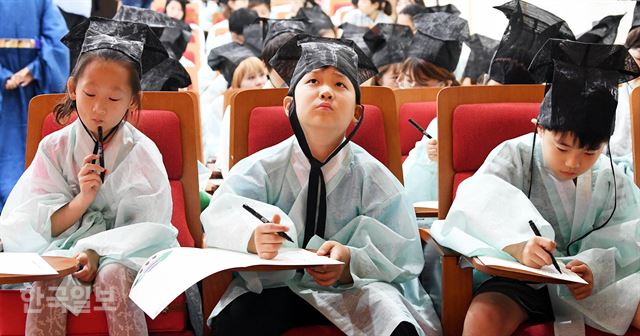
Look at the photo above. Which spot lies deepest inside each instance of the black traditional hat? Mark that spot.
(174, 34)
(299, 56)
(451, 9)
(259, 34)
(227, 57)
(636, 16)
(317, 19)
(387, 43)
(604, 31)
(529, 28)
(438, 39)
(135, 40)
(169, 75)
(582, 83)
(355, 34)
(482, 50)
(304, 53)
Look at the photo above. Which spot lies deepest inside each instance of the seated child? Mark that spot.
(340, 201)
(104, 200)
(585, 207)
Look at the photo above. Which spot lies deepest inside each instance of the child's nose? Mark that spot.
(572, 162)
(325, 93)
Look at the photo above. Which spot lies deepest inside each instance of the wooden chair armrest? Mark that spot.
(426, 212)
(456, 286)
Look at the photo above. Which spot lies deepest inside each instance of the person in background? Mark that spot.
(262, 7)
(388, 43)
(33, 61)
(406, 15)
(369, 12)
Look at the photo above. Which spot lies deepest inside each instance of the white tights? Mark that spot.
(47, 317)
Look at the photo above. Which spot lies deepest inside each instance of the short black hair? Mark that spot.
(241, 18)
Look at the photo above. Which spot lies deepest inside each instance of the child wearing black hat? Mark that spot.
(97, 189)
(587, 210)
(338, 200)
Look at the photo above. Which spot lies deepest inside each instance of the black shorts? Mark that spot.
(535, 302)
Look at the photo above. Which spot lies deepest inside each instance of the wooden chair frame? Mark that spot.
(183, 104)
(456, 281)
(635, 133)
(244, 101)
(414, 95)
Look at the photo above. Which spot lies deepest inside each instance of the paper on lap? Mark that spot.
(546, 271)
(24, 264)
(170, 272)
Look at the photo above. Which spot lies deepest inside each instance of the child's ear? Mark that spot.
(135, 103)
(71, 87)
(286, 103)
(357, 112)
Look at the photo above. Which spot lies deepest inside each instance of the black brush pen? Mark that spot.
(264, 220)
(422, 130)
(537, 233)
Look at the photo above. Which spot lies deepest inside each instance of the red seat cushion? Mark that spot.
(422, 113)
(321, 330)
(269, 126)
(546, 329)
(479, 128)
(13, 317)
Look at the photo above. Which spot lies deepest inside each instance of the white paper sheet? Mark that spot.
(24, 263)
(548, 270)
(170, 272)
(426, 204)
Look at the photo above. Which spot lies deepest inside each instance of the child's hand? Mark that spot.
(89, 178)
(265, 241)
(580, 291)
(328, 275)
(532, 253)
(432, 149)
(88, 261)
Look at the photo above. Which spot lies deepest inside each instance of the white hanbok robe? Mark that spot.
(367, 211)
(419, 172)
(489, 214)
(129, 220)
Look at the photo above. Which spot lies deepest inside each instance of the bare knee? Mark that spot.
(493, 314)
(636, 319)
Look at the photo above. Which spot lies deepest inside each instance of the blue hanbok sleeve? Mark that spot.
(51, 68)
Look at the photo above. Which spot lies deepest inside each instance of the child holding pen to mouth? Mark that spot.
(97, 189)
(586, 209)
(341, 201)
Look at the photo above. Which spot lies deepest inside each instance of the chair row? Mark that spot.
(471, 122)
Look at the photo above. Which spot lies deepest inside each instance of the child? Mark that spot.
(225, 59)
(585, 207)
(250, 74)
(432, 57)
(363, 217)
(477, 69)
(319, 23)
(105, 200)
(387, 43)
(176, 9)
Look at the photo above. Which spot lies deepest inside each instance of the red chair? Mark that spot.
(472, 120)
(418, 104)
(258, 121)
(168, 119)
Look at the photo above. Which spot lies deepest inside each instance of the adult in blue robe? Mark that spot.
(46, 59)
